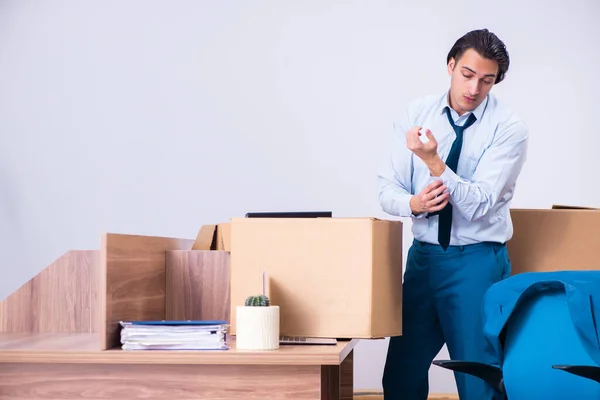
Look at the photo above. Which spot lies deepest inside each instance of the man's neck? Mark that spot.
(452, 107)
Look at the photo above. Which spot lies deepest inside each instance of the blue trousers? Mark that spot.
(442, 299)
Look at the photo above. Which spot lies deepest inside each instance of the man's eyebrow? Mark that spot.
(469, 69)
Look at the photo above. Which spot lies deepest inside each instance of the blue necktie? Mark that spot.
(445, 215)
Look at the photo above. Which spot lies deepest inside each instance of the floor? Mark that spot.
(359, 396)
(381, 398)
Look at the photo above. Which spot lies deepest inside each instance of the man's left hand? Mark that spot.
(425, 151)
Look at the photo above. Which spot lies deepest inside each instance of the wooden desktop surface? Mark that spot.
(84, 348)
(48, 366)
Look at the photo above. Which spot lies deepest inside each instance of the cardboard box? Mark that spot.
(331, 277)
(213, 237)
(560, 238)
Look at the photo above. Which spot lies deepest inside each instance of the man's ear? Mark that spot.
(451, 64)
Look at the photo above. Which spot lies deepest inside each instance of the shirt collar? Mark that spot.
(478, 111)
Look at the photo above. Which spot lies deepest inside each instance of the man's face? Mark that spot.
(472, 77)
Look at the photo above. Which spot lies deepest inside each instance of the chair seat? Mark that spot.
(539, 335)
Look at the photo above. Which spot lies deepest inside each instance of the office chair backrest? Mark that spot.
(541, 334)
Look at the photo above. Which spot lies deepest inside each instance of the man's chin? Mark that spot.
(468, 106)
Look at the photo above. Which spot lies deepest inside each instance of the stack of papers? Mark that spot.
(173, 335)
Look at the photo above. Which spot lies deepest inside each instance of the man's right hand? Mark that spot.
(432, 198)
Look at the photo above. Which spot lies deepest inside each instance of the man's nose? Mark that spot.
(474, 88)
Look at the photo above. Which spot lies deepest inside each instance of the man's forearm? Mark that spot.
(436, 166)
(394, 199)
(496, 172)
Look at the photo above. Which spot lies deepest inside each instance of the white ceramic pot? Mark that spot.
(257, 328)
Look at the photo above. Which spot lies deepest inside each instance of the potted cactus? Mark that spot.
(257, 324)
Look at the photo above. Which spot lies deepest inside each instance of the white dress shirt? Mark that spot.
(493, 153)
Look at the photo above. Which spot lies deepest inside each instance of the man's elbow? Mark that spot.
(480, 210)
(477, 215)
(387, 204)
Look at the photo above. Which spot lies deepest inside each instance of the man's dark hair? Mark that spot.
(487, 45)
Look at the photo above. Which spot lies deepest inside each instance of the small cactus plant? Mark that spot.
(260, 300)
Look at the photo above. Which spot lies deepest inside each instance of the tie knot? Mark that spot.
(457, 128)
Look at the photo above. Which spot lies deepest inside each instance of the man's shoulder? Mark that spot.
(501, 112)
(505, 118)
(415, 112)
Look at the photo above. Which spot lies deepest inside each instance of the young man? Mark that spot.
(454, 162)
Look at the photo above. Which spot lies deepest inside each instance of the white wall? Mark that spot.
(150, 117)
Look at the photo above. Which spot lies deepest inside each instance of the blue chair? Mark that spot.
(537, 326)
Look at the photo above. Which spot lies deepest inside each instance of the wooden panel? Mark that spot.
(197, 285)
(337, 381)
(61, 298)
(53, 342)
(83, 349)
(347, 377)
(158, 382)
(132, 280)
(330, 382)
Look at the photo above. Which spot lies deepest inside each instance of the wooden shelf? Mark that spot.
(84, 349)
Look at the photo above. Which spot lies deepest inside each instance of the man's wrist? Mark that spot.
(413, 207)
(436, 165)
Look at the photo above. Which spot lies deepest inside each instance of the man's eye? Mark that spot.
(488, 82)
(468, 76)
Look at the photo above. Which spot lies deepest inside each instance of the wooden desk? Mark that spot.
(59, 332)
(71, 366)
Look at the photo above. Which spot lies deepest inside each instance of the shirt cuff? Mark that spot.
(404, 207)
(450, 179)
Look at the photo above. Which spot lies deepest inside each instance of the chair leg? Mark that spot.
(586, 371)
(489, 373)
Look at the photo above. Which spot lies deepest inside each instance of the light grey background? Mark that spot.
(154, 117)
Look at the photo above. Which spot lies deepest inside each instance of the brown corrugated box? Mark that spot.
(331, 277)
(560, 238)
(213, 237)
